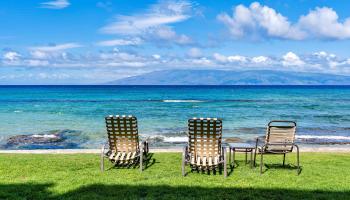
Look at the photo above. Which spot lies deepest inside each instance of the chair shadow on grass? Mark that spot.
(148, 162)
(101, 191)
(231, 168)
(218, 171)
(237, 163)
(290, 167)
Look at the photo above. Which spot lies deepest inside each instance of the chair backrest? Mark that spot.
(204, 136)
(280, 132)
(122, 133)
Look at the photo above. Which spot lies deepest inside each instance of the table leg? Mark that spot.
(233, 157)
(251, 158)
(246, 155)
(229, 149)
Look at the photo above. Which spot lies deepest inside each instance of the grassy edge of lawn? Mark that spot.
(77, 176)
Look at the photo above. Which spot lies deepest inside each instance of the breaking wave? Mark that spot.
(323, 137)
(182, 101)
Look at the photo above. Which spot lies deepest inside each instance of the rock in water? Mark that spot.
(56, 139)
(34, 139)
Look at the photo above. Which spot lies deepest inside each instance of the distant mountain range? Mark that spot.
(221, 77)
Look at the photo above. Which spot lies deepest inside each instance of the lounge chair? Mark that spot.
(279, 139)
(123, 147)
(204, 150)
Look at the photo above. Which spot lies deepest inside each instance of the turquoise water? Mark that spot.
(162, 111)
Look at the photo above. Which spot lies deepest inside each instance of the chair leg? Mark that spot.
(102, 163)
(284, 159)
(251, 159)
(298, 164)
(225, 165)
(261, 162)
(184, 155)
(183, 166)
(141, 161)
(254, 164)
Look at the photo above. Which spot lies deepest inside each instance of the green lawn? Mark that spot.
(323, 176)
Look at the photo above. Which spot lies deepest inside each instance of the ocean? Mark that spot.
(76, 113)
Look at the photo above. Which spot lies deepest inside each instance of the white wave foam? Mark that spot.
(44, 136)
(170, 139)
(18, 111)
(181, 101)
(324, 137)
(175, 139)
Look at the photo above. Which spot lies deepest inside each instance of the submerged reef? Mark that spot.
(55, 139)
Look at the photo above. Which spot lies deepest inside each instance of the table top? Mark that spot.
(241, 145)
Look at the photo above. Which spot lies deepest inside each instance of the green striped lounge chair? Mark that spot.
(204, 150)
(123, 147)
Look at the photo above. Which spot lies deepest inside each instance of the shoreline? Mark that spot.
(343, 149)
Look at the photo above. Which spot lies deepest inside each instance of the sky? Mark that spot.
(97, 41)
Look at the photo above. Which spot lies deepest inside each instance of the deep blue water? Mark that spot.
(321, 112)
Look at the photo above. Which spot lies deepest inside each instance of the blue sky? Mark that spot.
(96, 41)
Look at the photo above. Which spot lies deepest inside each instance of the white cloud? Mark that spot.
(237, 58)
(56, 4)
(256, 20)
(116, 58)
(324, 55)
(229, 59)
(194, 52)
(260, 60)
(125, 64)
(291, 59)
(43, 75)
(321, 54)
(325, 59)
(220, 58)
(121, 42)
(156, 56)
(166, 33)
(140, 24)
(52, 52)
(39, 54)
(116, 55)
(59, 47)
(158, 15)
(331, 60)
(11, 56)
(202, 61)
(323, 23)
(130, 62)
(154, 23)
(37, 63)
